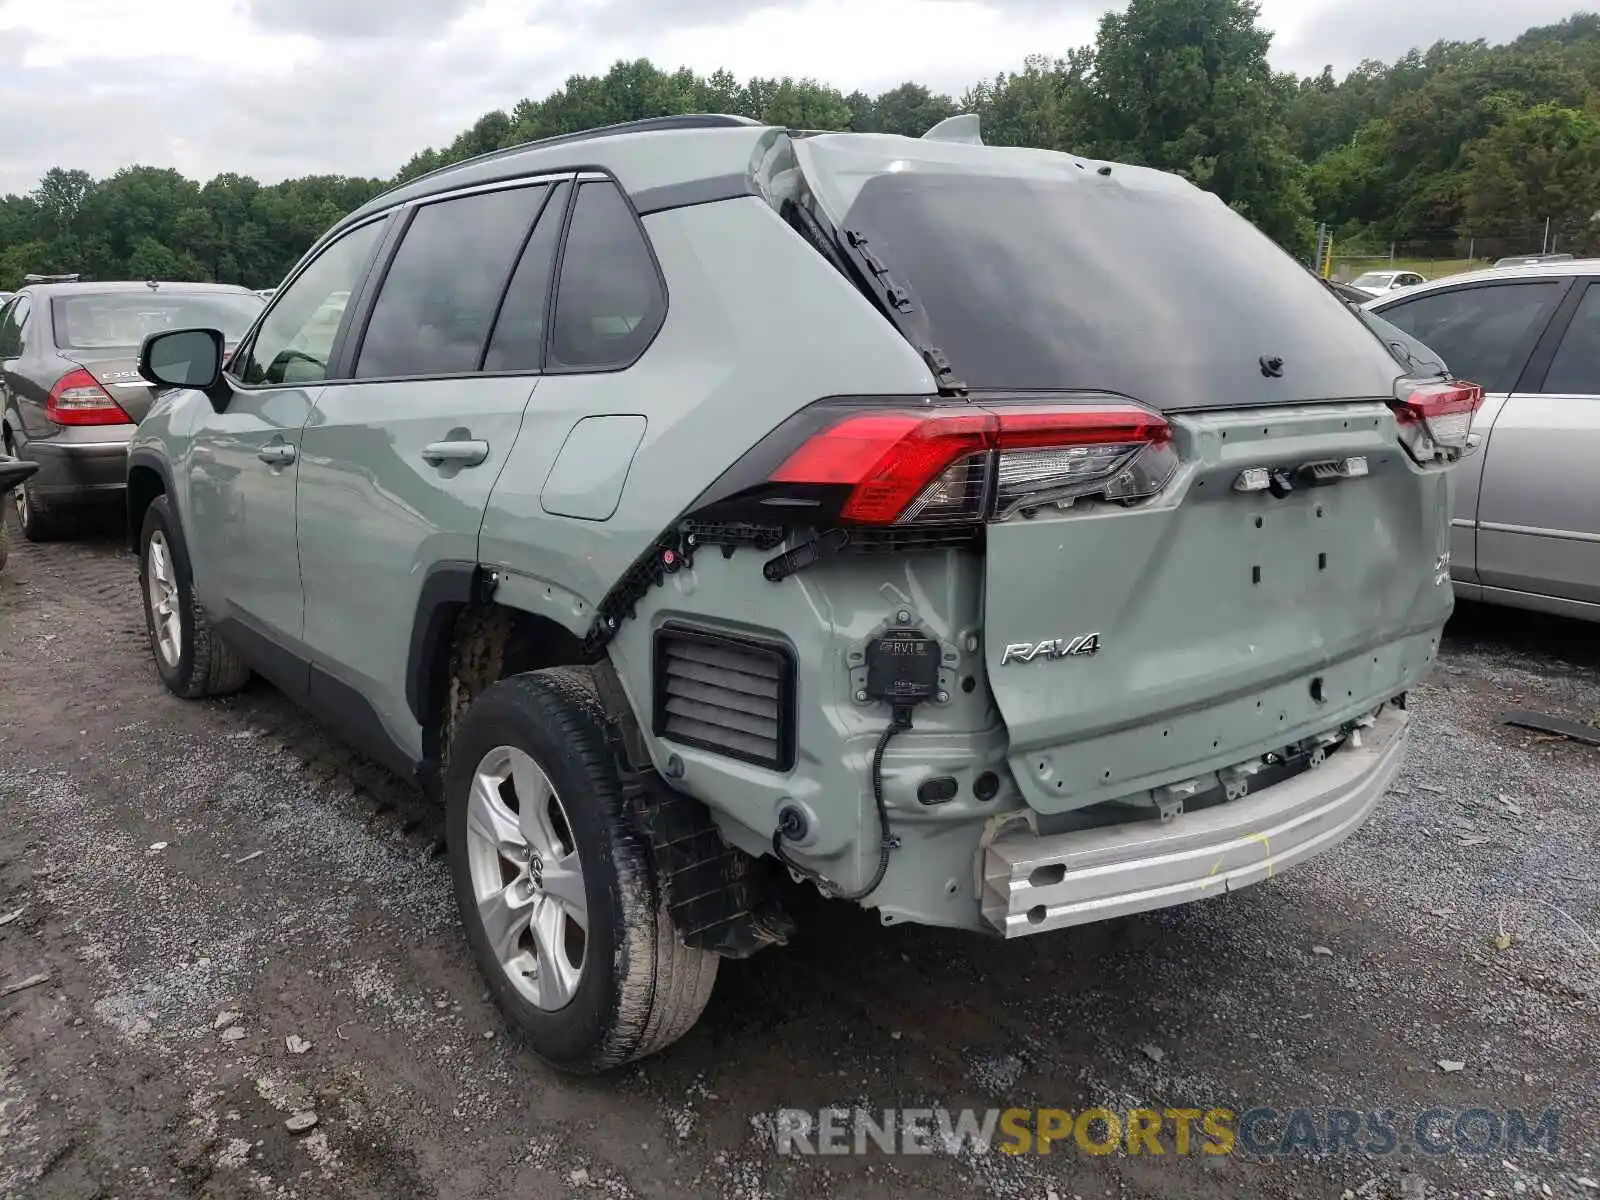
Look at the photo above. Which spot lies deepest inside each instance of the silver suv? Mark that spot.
(698, 506)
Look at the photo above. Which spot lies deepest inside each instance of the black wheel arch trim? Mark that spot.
(447, 589)
(150, 460)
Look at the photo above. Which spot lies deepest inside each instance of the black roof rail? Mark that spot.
(642, 125)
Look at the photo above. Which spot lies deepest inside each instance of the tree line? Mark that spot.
(1460, 143)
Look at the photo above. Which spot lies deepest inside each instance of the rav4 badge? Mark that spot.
(1027, 652)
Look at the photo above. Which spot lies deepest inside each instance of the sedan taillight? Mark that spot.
(78, 399)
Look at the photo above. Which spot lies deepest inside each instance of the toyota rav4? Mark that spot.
(694, 503)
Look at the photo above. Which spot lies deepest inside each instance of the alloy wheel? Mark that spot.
(527, 879)
(161, 585)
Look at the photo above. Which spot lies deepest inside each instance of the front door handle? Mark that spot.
(278, 454)
(461, 454)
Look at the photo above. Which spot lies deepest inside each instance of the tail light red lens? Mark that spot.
(968, 464)
(78, 399)
(1435, 417)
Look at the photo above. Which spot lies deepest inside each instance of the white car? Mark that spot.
(1378, 283)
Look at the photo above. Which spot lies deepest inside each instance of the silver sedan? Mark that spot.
(1526, 528)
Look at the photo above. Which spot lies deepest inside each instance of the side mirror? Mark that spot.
(183, 358)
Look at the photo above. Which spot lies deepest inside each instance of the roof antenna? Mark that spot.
(960, 128)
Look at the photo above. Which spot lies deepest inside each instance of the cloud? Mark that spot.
(1313, 33)
(357, 18)
(278, 88)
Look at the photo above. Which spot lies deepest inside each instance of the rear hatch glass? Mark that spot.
(1160, 293)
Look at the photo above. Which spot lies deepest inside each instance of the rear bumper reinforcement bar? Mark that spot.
(1032, 884)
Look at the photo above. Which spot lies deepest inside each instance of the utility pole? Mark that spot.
(1545, 245)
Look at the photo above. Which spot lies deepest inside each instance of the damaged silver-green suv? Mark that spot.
(694, 503)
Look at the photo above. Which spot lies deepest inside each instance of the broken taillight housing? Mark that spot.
(876, 465)
(1434, 417)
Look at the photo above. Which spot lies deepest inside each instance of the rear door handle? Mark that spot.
(278, 454)
(462, 453)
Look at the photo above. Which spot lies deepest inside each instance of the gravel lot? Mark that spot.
(177, 862)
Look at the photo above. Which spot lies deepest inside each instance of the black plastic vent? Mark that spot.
(724, 693)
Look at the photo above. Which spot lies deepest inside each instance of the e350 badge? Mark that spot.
(1082, 646)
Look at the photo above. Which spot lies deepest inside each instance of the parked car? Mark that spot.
(69, 391)
(1532, 260)
(12, 472)
(1410, 353)
(1376, 283)
(695, 503)
(1526, 528)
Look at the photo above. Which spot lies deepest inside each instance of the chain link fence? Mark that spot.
(1479, 244)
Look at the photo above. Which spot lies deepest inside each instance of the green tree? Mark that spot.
(61, 196)
(1184, 85)
(1459, 137)
(909, 109)
(1537, 164)
(153, 260)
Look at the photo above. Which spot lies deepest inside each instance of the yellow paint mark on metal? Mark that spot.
(1265, 841)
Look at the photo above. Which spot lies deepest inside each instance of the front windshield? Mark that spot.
(122, 320)
(1373, 279)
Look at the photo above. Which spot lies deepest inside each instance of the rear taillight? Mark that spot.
(1435, 417)
(78, 399)
(966, 464)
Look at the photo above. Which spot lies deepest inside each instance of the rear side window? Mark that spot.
(519, 332)
(610, 301)
(1090, 284)
(439, 297)
(1484, 333)
(1575, 370)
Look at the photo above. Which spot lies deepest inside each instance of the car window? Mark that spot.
(1043, 283)
(439, 296)
(122, 320)
(12, 323)
(6, 340)
(610, 301)
(1484, 333)
(519, 331)
(295, 340)
(1575, 370)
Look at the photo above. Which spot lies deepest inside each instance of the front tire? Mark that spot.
(555, 885)
(191, 658)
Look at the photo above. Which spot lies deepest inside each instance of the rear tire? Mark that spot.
(530, 757)
(36, 517)
(191, 658)
(40, 521)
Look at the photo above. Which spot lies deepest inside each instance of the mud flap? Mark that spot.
(717, 895)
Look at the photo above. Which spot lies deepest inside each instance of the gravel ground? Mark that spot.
(202, 881)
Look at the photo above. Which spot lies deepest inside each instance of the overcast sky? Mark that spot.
(278, 88)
